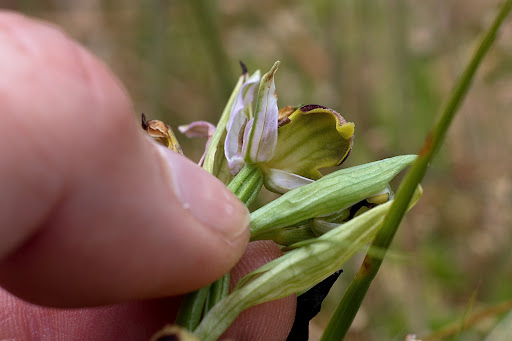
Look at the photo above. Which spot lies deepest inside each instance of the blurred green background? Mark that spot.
(385, 65)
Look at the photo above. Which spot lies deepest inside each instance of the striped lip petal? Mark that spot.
(240, 114)
(311, 138)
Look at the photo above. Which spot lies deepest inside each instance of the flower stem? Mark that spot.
(340, 322)
(246, 185)
(191, 309)
(218, 290)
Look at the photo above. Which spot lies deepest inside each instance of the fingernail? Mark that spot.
(207, 198)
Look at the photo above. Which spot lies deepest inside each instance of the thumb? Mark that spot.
(92, 211)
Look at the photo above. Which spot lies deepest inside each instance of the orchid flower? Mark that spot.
(241, 121)
(256, 144)
(288, 145)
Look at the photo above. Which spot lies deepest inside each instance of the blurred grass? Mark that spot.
(385, 65)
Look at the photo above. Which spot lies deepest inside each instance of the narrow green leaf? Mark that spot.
(346, 311)
(331, 193)
(191, 308)
(295, 271)
(220, 132)
(218, 290)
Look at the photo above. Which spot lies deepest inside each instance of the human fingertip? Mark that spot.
(207, 199)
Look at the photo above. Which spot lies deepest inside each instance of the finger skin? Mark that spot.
(138, 321)
(70, 148)
(268, 321)
(91, 211)
(128, 321)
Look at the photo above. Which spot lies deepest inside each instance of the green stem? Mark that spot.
(246, 185)
(340, 322)
(218, 291)
(191, 309)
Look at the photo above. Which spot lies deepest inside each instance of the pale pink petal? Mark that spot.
(263, 137)
(237, 119)
(199, 129)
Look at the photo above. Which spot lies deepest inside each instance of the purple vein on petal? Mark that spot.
(237, 119)
(263, 137)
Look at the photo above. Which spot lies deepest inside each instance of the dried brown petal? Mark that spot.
(161, 133)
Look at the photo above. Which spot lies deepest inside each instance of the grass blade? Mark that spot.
(344, 315)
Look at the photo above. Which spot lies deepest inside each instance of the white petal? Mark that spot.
(281, 181)
(251, 91)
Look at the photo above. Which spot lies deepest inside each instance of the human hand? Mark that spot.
(94, 213)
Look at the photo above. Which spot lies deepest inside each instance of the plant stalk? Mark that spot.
(246, 185)
(454, 328)
(345, 313)
(191, 309)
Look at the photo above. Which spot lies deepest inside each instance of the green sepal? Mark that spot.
(296, 270)
(289, 235)
(332, 193)
(215, 151)
(321, 225)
